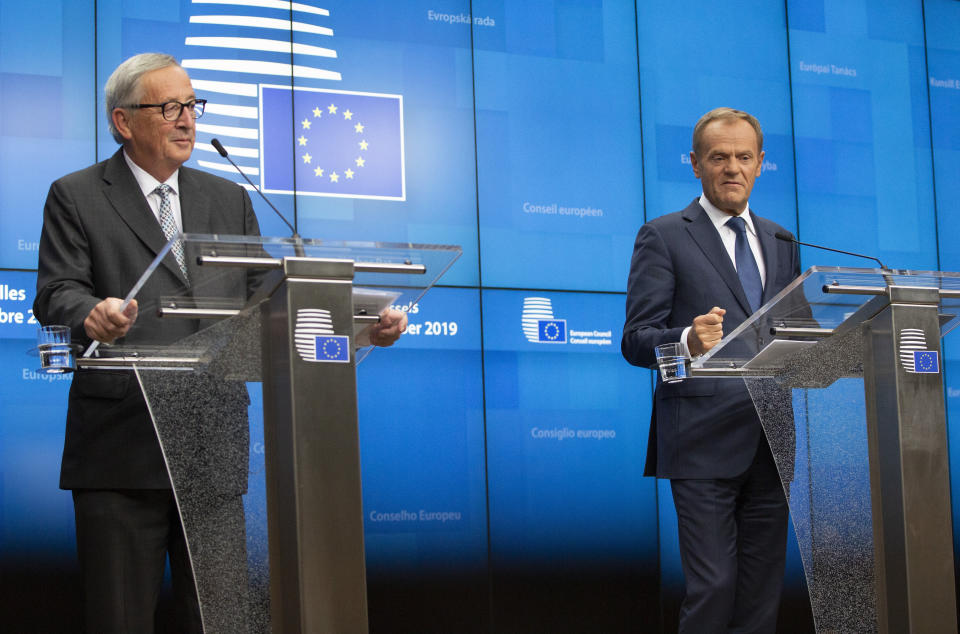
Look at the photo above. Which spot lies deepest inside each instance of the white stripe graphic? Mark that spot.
(228, 130)
(260, 68)
(261, 44)
(226, 167)
(311, 323)
(261, 23)
(225, 87)
(269, 4)
(535, 309)
(259, 38)
(247, 152)
(911, 340)
(243, 112)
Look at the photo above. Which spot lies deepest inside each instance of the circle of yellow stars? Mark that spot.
(551, 331)
(358, 128)
(331, 353)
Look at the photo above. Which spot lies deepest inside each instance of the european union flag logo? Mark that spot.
(552, 331)
(344, 144)
(333, 348)
(926, 361)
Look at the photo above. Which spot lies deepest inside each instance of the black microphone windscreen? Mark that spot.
(219, 148)
(783, 235)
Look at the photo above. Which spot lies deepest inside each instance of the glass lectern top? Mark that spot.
(814, 306)
(227, 274)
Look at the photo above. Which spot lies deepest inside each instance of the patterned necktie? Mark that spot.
(169, 226)
(747, 269)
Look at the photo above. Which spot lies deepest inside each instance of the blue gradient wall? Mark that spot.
(539, 140)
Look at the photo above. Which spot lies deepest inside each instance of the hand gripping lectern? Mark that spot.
(290, 313)
(845, 369)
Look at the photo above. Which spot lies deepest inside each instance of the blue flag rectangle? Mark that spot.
(552, 330)
(331, 143)
(926, 361)
(333, 348)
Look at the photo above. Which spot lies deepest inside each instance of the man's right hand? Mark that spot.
(106, 321)
(706, 332)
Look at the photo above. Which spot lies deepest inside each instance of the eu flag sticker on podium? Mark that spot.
(926, 361)
(314, 338)
(343, 144)
(333, 348)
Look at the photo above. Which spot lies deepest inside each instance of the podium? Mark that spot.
(291, 314)
(845, 369)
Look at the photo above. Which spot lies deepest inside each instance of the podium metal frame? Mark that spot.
(906, 425)
(312, 453)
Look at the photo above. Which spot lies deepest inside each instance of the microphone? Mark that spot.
(786, 237)
(223, 152)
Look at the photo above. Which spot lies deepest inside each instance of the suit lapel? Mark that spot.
(195, 210)
(194, 204)
(704, 233)
(123, 192)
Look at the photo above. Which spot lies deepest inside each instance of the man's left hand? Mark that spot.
(392, 324)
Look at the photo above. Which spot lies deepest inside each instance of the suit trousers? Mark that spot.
(123, 540)
(733, 535)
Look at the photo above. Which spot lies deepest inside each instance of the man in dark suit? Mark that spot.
(693, 278)
(102, 227)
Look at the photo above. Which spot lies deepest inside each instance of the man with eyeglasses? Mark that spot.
(102, 227)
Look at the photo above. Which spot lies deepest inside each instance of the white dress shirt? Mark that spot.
(148, 184)
(729, 238)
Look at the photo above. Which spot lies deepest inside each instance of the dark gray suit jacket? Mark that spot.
(699, 428)
(99, 235)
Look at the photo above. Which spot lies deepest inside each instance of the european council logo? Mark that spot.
(345, 144)
(914, 357)
(552, 331)
(539, 324)
(314, 338)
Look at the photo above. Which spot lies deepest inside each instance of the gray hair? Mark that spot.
(725, 114)
(123, 87)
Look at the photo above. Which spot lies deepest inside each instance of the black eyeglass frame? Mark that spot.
(196, 108)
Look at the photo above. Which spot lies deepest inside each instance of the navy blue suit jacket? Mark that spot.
(705, 427)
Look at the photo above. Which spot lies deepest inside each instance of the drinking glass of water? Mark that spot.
(53, 346)
(672, 362)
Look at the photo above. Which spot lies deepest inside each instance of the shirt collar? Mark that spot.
(147, 182)
(719, 217)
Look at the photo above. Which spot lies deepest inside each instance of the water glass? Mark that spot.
(53, 346)
(673, 362)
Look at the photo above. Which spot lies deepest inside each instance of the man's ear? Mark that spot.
(121, 121)
(695, 164)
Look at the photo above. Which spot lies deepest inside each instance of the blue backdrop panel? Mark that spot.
(685, 71)
(36, 519)
(345, 46)
(566, 434)
(862, 132)
(558, 143)
(422, 444)
(46, 113)
(943, 68)
(402, 49)
(520, 139)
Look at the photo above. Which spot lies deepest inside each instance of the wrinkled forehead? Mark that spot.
(166, 84)
(730, 135)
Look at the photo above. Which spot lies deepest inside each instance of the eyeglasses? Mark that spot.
(173, 109)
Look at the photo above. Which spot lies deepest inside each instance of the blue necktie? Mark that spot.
(746, 264)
